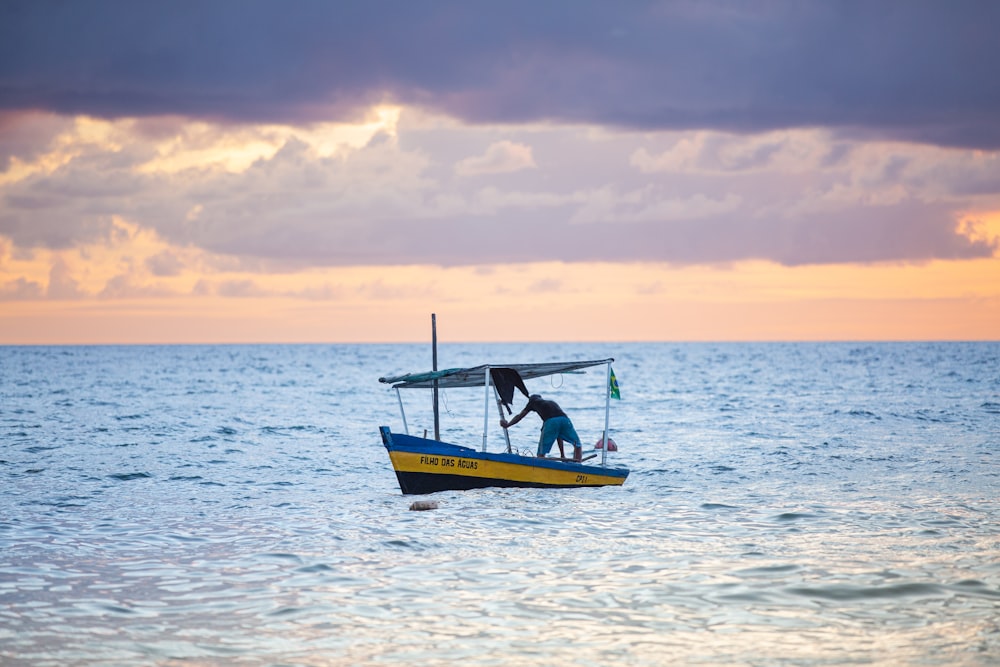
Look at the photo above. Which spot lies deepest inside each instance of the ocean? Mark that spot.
(788, 504)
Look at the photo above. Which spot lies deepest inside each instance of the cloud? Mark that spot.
(802, 196)
(911, 70)
(127, 286)
(649, 204)
(62, 284)
(165, 263)
(379, 290)
(21, 289)
(26, 135)
(715, 152)
(239, 288)
(500, 158)
(546, 285)
(246, 288)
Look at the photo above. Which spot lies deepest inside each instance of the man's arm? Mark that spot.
(518, 417)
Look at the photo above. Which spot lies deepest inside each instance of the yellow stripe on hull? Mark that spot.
(411, 462)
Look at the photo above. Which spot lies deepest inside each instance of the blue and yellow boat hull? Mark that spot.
(427, 466)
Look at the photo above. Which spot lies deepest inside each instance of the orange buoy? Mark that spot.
(612, 446)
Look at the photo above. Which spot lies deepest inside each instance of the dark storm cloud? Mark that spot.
(904, 69)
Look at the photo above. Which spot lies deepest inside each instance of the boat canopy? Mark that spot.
(476, 376)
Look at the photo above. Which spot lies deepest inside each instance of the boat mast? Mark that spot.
(434, 348)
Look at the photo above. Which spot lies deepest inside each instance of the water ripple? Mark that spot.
(789, 504)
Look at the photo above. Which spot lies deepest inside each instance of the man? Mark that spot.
(556, 426)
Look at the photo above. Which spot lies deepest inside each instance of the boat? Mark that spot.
(428, 465)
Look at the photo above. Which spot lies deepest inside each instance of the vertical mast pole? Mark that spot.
(434, 352)
(607, 417)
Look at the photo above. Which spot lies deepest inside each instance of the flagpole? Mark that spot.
(607, 417)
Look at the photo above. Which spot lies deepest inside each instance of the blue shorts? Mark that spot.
(557, 428)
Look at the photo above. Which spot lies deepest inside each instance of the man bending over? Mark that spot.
(556, 426)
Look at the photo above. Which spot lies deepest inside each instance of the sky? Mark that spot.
(251, 171)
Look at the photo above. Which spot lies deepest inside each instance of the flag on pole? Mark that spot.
(613, 386)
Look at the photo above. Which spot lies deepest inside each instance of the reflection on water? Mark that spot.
(810, 504)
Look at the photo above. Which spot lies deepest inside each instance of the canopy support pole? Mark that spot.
(607, 417)
(402, 412)
(506, 434)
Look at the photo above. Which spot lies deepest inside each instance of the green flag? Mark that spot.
(613, 386)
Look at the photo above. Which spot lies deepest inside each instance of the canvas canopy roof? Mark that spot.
(476, 376)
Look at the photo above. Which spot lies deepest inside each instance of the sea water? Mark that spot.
(798, 504)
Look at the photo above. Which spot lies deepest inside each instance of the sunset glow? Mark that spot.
(351, 216)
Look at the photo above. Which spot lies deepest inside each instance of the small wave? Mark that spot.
(657, 471)
(281, 556)
(38, 449)
(845, 592)
(993, 408)
(184, 537)
(795, 516)
(975, 588)
(128, 476)
(751, 598)
(63, 502)
(117, 609)
(285, 430)
(286, 611)
(400, 543)
(318, 567)
(768, 570)
(717, 506)
(970, 582)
